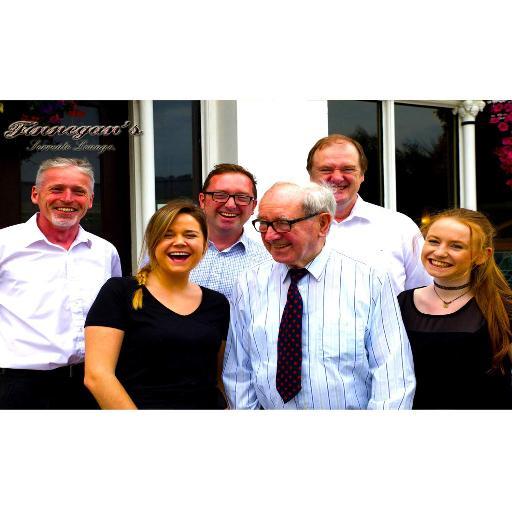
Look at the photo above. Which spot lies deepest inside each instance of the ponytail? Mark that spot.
(142, 277)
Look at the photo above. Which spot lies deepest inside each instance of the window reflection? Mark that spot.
(361, 121)
(176, 154)
(425, 143)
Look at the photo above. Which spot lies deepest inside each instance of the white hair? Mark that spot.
(317, 198)
(83, 165)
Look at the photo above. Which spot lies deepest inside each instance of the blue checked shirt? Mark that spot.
(355, 352)
(218, 270)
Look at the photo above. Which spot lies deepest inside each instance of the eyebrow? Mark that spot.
(185, 231)
(451, 241)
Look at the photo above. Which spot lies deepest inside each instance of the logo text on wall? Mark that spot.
(23, 128)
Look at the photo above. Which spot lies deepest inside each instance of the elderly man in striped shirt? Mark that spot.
(313, 328)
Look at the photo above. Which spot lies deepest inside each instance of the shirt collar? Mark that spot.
(359, 210)
(243, 241)
(33, 234)
(316, 267)
(82, 237)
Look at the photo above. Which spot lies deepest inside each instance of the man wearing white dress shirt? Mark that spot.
(351, 349)
(375, 234)
(50, 272)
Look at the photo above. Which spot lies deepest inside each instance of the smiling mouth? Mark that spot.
(338, 188)
(178, 256)
(228, 215)
(439, 264)
(279, 246)
(64, 209)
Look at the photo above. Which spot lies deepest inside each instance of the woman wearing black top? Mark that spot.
(156, 341)
(459, 326)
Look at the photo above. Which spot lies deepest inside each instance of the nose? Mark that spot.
(230, 202)
(440, 250)
(179, 239)
(270, 235)
(67, 195)
(337, 175)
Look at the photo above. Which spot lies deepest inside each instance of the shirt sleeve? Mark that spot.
(116, 264)
(389, 353)
(237, 370)
(109, 309)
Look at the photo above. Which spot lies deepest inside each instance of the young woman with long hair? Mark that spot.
(459, 326)
(155, 341)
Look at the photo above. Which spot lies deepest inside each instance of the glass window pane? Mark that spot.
(361, 121)
(425, 139)
(175, 152)
(493, 134)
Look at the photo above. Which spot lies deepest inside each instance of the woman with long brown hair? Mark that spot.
(459, 326)
(155, 341)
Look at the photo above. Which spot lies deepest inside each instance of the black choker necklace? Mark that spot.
(451, 287)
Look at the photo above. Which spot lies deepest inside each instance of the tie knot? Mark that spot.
(296, 274)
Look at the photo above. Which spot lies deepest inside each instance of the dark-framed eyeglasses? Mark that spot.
(279, 226)
(223, 197)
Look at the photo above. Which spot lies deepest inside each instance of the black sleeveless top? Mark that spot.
(452, 359)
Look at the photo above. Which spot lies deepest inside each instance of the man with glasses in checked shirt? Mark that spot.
(314, 328)
(228, 198)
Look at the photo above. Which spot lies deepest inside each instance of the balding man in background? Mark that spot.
(376, 235)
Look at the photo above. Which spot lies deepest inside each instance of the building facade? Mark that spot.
(423, 155)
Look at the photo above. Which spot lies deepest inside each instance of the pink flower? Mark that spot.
(508, 106)
(494, 120)
(509, 183)
(508, 118)
(502, 127)
(506, 141)
(496, 107)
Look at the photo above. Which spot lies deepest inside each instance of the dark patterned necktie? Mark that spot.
(289, 341)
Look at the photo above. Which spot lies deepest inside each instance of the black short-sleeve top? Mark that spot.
(167, 360)
(453, 358)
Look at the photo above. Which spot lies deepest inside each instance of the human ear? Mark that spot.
(484, 256)
(34, 194)
(325, 220)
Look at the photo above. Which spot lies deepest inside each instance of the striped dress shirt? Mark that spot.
(355, 352)
(218, 270)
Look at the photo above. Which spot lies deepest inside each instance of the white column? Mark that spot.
(388, 157)
(468, 111)
(137, 229)
(142, 174)
(218, 134)
(147, 161)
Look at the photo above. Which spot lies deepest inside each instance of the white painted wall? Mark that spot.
(274, 138)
